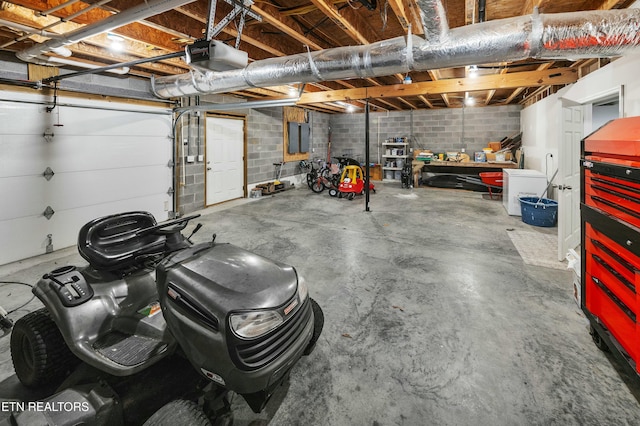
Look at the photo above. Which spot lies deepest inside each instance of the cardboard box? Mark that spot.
(495, 146)
(375, 172)
(491, 156)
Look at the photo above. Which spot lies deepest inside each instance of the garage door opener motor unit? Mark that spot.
(149, 301)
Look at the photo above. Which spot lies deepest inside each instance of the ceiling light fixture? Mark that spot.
(117, 42)
(473, 71)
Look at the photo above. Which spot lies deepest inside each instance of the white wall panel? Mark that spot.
(107, 158)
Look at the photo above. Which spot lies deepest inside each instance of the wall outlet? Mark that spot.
(200, 157)
(191, 158)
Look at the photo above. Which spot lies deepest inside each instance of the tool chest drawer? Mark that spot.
(608, 261)
(618, 318)
(617, 194)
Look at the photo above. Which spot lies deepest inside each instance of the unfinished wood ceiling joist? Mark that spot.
(288, 27)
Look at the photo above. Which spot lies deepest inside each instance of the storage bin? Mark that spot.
(539, 211)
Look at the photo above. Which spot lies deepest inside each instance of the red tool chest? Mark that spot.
(610, 213)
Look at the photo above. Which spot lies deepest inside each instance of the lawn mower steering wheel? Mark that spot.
(169, 227)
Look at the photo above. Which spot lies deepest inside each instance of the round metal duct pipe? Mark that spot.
(554, 36)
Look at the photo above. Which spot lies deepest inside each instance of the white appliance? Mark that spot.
(521, 183)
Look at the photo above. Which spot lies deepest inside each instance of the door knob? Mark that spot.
(208, 168)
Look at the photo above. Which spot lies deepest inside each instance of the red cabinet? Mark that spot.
(610, 212)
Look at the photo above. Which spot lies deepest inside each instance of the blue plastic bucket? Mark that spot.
(539, 213)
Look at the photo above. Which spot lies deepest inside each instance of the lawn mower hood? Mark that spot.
(241, 319)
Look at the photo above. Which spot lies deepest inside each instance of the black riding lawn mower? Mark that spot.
(158, 330)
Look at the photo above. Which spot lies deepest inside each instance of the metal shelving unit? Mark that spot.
(396, 154)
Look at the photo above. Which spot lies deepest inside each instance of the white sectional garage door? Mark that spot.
(105, 157)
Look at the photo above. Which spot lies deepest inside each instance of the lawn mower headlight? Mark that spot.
(303, 290)
(254, 324)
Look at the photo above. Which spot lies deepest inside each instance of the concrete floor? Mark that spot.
(432, 318)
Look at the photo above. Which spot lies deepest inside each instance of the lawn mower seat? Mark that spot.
(110, 243)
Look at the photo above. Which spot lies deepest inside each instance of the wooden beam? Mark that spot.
(97, 47)
(536, 92)
(469, 11)
(286, 24)
(425, 101)
(303, 10)
(558, 76)
(611, 4)
(348, 20)
(435, 76)
(324, 108)
(492, 92)
(136, 30)
(405, 11)
(414, 16)
(409, 104)
(249, 36)
(400, 12)
(528, 6)
(387, 103)
(519, 90)
(276, 45)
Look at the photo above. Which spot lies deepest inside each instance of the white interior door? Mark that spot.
(225, 159)
(569, 180)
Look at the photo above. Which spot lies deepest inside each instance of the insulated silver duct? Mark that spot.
(554, 36)
(371, 60)
(140, 12)
(434, 20)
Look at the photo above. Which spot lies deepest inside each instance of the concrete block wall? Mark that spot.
(319, 135)
(191, 189)
(264, 147)
(440, 130)
(348, 135)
